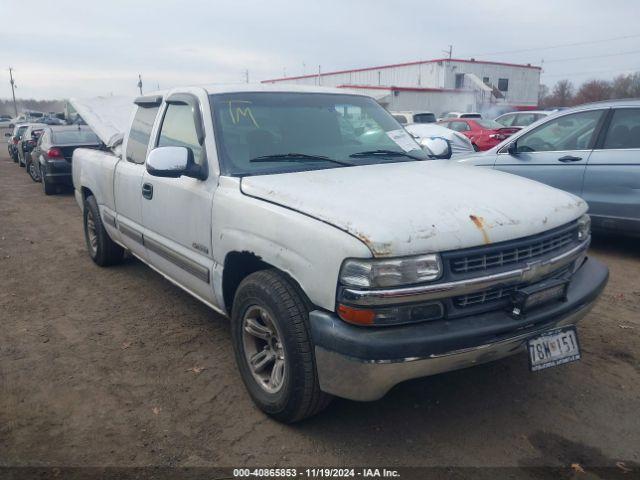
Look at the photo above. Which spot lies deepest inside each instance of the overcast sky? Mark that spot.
(64, 48)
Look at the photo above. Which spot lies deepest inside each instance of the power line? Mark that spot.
(592, 56)
(572, 74)
(560, 45)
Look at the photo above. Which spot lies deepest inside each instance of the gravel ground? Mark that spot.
(118, 367)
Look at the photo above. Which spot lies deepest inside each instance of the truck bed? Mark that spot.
(94, 170)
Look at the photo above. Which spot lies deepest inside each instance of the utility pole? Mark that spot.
(246, 75)
(140, 83)
(13, 91)
(449, 51)
(319, 75)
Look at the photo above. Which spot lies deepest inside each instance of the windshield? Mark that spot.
(290, 128)
(489, 124)
(424, 118)
(74, 136)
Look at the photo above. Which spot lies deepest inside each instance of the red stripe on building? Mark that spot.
(420, 62)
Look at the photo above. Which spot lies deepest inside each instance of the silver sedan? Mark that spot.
(592, 151)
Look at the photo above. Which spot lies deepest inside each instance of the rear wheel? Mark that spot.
(273, 347)
(47, 187)
(102, 249)
(34, 171)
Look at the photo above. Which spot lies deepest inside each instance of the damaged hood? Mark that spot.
(420, 207)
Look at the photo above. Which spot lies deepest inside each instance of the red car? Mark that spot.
(484, 134)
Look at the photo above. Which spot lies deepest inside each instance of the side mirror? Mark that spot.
(437, 147)
(512, 149)
(173, 162)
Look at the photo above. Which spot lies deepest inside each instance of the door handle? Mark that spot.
(147, 191)
(569, 158)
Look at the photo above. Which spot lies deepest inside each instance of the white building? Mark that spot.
(438, 85)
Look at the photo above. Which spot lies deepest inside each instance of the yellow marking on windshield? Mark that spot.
(241, 112)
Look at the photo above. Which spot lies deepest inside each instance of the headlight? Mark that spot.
(584, 227)
(391, 272)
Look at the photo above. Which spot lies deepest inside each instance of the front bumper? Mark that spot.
(362, 363)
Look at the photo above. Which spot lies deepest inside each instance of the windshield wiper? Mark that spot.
(384, 153)
(298, 157)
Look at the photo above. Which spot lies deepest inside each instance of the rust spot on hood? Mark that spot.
(479, 223)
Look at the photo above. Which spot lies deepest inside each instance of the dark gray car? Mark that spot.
(51, 158)
(592, 151)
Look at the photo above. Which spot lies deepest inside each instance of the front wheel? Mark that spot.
(273, 347)
(102, 249)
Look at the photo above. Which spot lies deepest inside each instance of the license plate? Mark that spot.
(553, 348)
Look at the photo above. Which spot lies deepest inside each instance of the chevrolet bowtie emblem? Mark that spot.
(531, 271)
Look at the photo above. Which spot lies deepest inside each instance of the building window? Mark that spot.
(485, 80)
(459, 80)
(503, 84)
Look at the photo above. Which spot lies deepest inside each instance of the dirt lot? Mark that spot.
(118, 367)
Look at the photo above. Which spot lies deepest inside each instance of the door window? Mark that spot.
(179, 130)
(139, 134)
(459, 126)
(624, 130)
(525, 119)
(569, 132)
(506, 120)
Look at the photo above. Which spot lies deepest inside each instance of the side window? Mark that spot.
(503, 84)
(624, 129)
(139, 135)
(402, 120)
(569, 132)
(179, 130)
(506, 120)
(459, 126)
(525, 119)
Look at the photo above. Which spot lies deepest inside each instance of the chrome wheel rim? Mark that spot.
(263, 349)
(33, 171)
(92, 235)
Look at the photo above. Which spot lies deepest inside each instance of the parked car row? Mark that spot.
(483, 134)
(46, 151)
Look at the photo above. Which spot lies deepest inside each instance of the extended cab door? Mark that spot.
(176, 212)
(612, 180)
(128, 176)
(556, 152)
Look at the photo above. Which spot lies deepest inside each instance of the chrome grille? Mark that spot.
(478, 262)
(497, 294)
(484, 297)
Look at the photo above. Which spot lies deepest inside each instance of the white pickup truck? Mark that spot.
(347, 259)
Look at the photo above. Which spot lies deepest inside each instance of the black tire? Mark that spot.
(105, 251)
(299, 396)
(33, 171)
(47, 187)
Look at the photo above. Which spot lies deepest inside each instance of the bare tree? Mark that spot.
(593, 91)
(562, 93)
